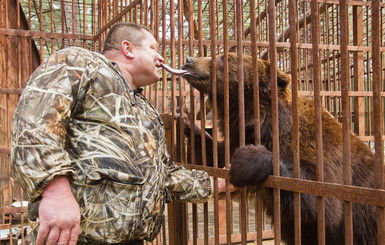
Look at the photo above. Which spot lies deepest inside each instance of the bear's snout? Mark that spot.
(189, 59)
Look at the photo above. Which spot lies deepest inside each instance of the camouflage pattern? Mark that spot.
(78, 117)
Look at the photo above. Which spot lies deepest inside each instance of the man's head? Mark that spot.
(119, 32)
(134, 48)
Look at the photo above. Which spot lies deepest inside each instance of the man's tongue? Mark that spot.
(172, 70)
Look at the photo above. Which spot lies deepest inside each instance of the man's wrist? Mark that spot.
(59, 186)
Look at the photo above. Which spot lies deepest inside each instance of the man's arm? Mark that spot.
(59, 214)
(186, 185)
(41, 121)
(40, 161)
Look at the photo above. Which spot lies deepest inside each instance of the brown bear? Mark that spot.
(252, 164)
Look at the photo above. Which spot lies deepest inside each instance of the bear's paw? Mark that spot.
(250, 165)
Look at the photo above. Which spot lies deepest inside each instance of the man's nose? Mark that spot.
(189, 59)
(161, 58)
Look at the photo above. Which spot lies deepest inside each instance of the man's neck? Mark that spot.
(127, 76)
(118, 59)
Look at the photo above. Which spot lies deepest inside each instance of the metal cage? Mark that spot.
(332, 49)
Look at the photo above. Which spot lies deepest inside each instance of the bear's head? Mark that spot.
(199, 76)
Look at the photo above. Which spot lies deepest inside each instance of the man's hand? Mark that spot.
(59, 214)
(222, 186)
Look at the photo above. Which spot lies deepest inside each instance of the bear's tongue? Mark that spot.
(172, 70)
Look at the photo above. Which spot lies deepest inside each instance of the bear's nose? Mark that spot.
(189, 59)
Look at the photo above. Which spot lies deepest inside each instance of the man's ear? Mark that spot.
(127, 48)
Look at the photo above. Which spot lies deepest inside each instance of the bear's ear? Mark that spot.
(283, 79)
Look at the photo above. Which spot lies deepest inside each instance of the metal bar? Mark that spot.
(338, 93)
(29, 13)
(43, 34)
(337, 191)
(22, 217)
(11, 91)
(226, 103)
(236, 238)
(136, 14)
(99, 23)
(203, 121)
(116, 18)
(378, 115)
(318, 117)
(73, 20)
(349, 193)
(295, 138)
(241, 109)
(145, 12)
(5, 226)
(214, 112)
(41, 29)
(141, 13)
(173, 83)
(345, 82)
(274, 120)
(18, 45)
(213, 81)
(62, 15)
(359, 106)
(183, 237)
(257, 127)
(181, 83)
(152, 13)
(329, 47)
(156, 18)
(84, 21)
(191, 53)
(12, 210)
(52, 26)
(197, 93)
(190, 20)
(164, 53)
(350, 3)
(5, 150)
(368, 75)
(326, 60)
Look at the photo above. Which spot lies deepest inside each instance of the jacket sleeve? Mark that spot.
(186, 185)
(41, 121)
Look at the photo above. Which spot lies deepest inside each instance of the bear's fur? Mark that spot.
(252, 164)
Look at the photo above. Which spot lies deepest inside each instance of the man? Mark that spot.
(89, 149)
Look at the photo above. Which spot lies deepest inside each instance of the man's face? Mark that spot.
(147, 61)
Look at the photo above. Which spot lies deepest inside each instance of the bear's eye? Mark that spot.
(220, 62)
(231, 58)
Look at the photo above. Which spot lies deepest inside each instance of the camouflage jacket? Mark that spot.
(78, 117)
